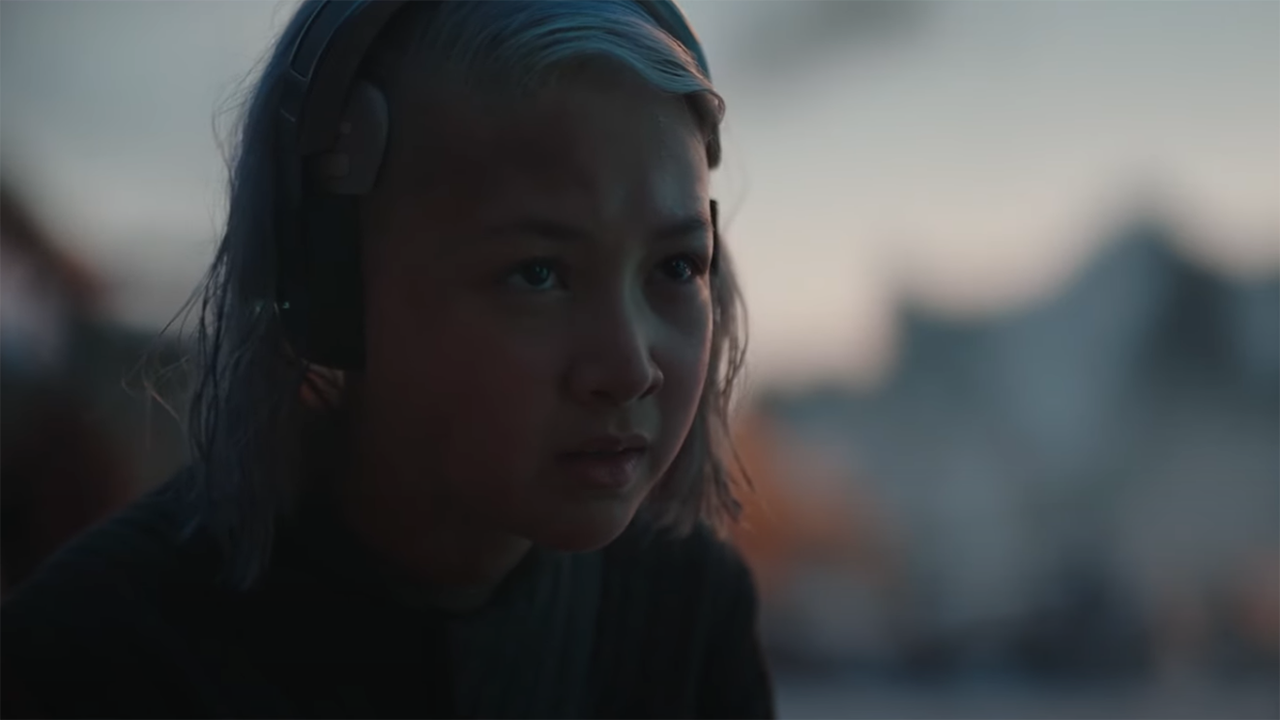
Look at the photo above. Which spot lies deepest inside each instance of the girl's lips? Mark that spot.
(614, 470)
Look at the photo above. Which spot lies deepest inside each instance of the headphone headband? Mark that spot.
(337, 37)
(323, 66)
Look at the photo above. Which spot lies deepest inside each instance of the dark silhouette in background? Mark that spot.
(75, 445)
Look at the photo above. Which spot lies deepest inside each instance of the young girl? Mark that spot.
(460, 435)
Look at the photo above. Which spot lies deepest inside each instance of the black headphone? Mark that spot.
(332, 135)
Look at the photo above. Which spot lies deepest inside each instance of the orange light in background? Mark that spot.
(805, 508)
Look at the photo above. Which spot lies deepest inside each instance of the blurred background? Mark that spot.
(1013, 273)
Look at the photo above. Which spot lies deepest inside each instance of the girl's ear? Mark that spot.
(323, 388)
(715, 235)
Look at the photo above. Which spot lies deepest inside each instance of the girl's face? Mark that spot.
(538, 298)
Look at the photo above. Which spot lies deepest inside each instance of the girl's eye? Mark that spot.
(535, 275)
(683, 268)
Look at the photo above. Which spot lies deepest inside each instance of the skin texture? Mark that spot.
(536, 275)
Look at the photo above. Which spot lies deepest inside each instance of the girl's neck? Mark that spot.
(459, 563)
(422, 539)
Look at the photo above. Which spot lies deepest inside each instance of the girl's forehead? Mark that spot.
(574, 102)
(588, 139)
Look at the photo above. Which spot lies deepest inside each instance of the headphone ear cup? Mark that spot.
(351, 167)
(324, 318)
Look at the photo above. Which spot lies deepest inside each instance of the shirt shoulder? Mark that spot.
(129, 555)
(97, 619)
(679, 617)
(109, 589)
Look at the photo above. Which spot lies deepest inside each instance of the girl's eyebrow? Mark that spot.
(698, 225)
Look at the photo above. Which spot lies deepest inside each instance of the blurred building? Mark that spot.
(1090, 487)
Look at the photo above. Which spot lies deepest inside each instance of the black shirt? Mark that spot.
(130, 621)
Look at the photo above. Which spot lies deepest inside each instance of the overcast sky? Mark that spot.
(965, 155)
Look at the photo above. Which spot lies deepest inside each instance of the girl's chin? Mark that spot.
(583, 534)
